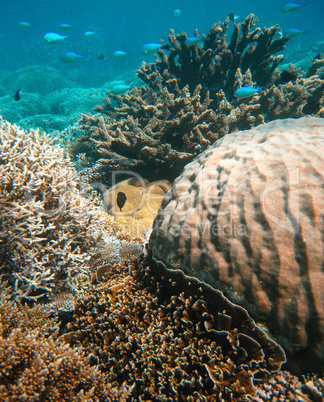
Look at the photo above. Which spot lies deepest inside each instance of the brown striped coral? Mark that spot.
(247, 217)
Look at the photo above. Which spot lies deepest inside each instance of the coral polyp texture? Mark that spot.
(169, 338)
(47, 229)
(33, 368)
(246, 216)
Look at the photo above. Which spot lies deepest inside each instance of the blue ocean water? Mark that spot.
(127, 25)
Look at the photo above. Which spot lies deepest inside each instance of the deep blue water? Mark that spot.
(127, 25)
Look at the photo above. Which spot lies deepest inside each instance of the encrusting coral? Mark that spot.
(188, 102)
(142, 201)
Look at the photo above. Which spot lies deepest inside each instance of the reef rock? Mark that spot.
(246, 216)
(36, 79)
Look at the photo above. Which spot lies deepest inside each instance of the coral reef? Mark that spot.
(36, 79)
(189, 102)
(176, 339)
(51, 112)
(34, 368)
(14, 315)
(314, 387)
(214, 64)
(246, 216)
(47, 228)
(155, 134)
(282, 387)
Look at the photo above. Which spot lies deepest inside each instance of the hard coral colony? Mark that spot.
(188, 101)
(134, 325)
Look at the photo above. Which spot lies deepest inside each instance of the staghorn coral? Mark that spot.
(155, 134)
(167, 341)
(188, 103)
(47, 229)
(246, 216)
(214, 64)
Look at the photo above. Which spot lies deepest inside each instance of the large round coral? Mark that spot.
(246, 216)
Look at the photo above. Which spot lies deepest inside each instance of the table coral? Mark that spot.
(247, 217)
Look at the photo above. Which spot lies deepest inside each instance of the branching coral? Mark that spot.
(153, 133)
(214, 64)
(47, 229)
(14, 315)
(34, 368)
(282, 387)
(168, 341)
(189, 102)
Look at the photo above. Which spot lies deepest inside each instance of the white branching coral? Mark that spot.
(47, 229)
(114, 250)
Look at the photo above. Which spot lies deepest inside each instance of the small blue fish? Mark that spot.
(89, 34)
(53, 38)
(192, 40)
(24, 25)
(65, 27)
(245, 92)
(119, 53)
(176, 13)
(70, 57)
(292, 6)
(120, 88)
(293, 32)
(150, 48)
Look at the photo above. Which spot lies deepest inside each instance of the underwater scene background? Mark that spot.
(161, 200)
(128, 25)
